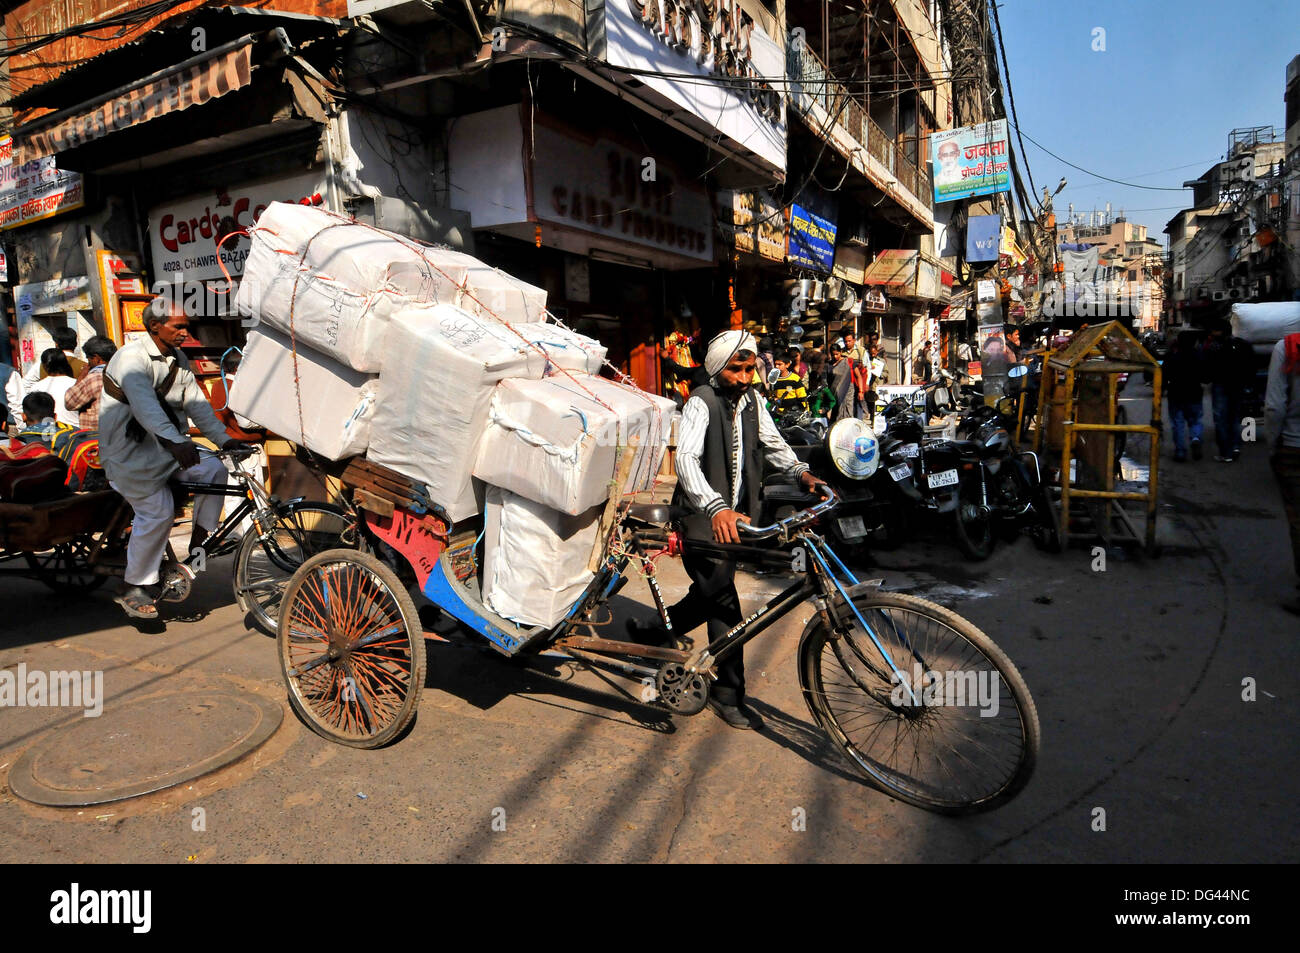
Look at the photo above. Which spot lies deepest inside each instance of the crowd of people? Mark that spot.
(836, 383)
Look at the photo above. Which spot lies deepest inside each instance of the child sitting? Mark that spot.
(38, 416)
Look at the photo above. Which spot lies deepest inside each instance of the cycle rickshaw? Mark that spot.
(875, 667)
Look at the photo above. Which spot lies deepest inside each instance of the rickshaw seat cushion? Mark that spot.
(33, 480)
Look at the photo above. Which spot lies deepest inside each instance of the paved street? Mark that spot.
(1137, 672)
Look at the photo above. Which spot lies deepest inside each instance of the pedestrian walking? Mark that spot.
(1282, 423)
(1228, 368)
(1182, 373)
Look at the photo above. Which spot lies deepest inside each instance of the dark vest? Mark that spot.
(715, 461)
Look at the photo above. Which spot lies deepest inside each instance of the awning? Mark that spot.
(191, 83)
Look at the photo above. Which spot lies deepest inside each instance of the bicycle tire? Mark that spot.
(359, 696)
(834, 670)
(259, 580)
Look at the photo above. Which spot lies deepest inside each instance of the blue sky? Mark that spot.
(1156, 106)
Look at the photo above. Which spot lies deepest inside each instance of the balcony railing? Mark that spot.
(812, 84)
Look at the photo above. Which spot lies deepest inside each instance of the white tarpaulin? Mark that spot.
(535, 559)
(556, 441)
(433, 395)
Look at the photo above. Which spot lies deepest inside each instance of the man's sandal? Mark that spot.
(137, 603)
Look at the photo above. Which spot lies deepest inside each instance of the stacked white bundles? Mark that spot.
(535, 559)
(433, 396)
(337, 283)
(1263, 325)
(337, 402)
(556, 441)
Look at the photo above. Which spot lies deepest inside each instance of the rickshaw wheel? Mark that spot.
(66, 568)
(351, 648)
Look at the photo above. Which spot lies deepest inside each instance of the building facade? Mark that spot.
(663, 169)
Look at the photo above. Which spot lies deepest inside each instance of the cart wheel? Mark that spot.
(351, 648)
(66, 568)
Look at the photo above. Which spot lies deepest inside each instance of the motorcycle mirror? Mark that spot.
(942, 396)
(773, 376)
(1018, 370)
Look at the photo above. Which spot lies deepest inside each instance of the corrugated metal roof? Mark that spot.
(106, 69)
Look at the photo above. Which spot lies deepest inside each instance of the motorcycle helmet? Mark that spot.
(853, 448)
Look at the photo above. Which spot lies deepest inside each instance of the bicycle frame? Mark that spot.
(819, 583)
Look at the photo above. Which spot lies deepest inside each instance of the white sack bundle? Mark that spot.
(556, 441)
(339, 282)
(1263, 325)
(433, 396)
(337, 401)
(535, 559)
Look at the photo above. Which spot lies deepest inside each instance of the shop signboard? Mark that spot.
(31, 191)
(850, 264)
(970, 161)
(812, 233)
(908, 273)
(183, 233)
(982, 237)
(600, 187)
(1010, 249)
(760, 224)
(714, 62)
(42, 306)
(118, 275)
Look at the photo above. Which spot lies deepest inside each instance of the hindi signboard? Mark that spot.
(812, 233)
(31, 191)
(970, 161)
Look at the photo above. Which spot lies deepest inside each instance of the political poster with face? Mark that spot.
(970, 161)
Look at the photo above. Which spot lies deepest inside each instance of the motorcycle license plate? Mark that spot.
(852, 527)
(901, 472)
(942, 478)
(907, 451)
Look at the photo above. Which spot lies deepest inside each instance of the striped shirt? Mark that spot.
(690, 449)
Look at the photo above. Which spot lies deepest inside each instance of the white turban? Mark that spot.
(726, 346)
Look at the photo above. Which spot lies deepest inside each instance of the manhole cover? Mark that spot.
(143, 746)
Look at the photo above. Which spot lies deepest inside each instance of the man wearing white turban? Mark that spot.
(726, 435)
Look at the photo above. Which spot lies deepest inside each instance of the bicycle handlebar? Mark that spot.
(802, 518)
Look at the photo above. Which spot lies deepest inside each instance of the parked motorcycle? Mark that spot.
(988, 488)
(1003, 494)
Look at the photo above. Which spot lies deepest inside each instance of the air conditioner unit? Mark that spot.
(1219, 296)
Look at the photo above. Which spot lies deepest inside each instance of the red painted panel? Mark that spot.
(419, 539)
